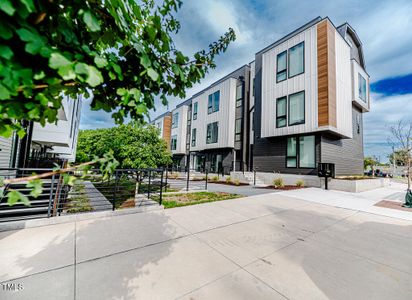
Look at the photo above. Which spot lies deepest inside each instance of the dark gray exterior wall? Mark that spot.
(346, 154)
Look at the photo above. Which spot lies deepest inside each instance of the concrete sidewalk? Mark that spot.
(270, 246)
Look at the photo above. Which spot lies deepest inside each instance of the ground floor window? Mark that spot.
(173, 144)
(300, 152)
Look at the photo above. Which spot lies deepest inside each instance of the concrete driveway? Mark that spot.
(269, 246)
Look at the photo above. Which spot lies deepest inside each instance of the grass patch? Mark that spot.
(184, 199)
(78, 200)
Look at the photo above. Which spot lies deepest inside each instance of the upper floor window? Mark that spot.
(213, 102)
(239, 95)
(362, 87)
(238, 130)
(195, 111)
(175, 120)
(189, 115)
(281, 66)
(296, 60)
(281, 112)
(193, 137)
(159, 125)
(297, 108)
(212, 133)
(173, 144)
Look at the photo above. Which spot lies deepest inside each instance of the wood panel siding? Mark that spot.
(167, 129)
(326, 60)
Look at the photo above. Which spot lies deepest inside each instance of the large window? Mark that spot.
(296, 60)
(195, 111)
(239, 95)
(238, 130)
(193, 137)
(307, 151)
(300, 152)
(175, 120)
(281, 66)
(297, 108)
(212, 132)
(213, 102)
(281, 112)
(173, 144)
(291, 153)
(362, 87)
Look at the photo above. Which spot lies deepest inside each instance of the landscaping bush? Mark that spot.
(237, 182)
(215, 178)
(278, 182)
(300, 183)
(228, 179)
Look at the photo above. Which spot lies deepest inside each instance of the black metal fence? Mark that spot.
(125, 188)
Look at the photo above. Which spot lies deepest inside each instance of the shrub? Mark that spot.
(215, 178)
(228, 179)
(278, 182)
(237, 182)
(300, 183)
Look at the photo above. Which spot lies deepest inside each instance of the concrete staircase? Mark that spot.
(249, 177)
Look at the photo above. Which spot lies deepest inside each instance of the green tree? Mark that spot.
(401, 157)
(133, 146)
(122, 51)
(370, 162)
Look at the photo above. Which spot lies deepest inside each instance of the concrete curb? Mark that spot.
(15, 225)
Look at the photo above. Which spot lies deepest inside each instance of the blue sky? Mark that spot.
(383, 26)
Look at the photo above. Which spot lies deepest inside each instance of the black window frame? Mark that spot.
(193, 137)
(238, 135)
(239, 100)
(304, 109)
(297, 157)
(288, 59)
(195, 108)
(174, 138)
(209, 139)
(278, 117)
(283, 70)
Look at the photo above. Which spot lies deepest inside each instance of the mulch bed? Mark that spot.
(228, 183)
(285, 188)
(393, 205)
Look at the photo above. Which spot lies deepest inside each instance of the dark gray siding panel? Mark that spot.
(269, 155)
(346, 154)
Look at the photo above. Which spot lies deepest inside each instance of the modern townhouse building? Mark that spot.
(311, 89)
(42, 146)
(298, 104)
(164, 124)
(219, 119)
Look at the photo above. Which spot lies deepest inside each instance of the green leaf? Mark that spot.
(7, 7)
(145, 61)
(57, 61)
(67, 72)
(152, 74)
(68, 179)
(95, 77)
(91, 21)
(37, 187)
(5, 52)
(4, 92)
(29, 5)
(5, 31)
(14, 197)
(100, 62)
(34, 41)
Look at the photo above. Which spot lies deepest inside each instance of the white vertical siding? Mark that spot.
(225, 116)
(181, 130)
(5, 151)
(305, 82)
(252, 99)
(343, 87)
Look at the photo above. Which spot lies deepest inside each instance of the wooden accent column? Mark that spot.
(167, 129)
(326, 74)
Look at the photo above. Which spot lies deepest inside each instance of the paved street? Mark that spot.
(270, 246)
